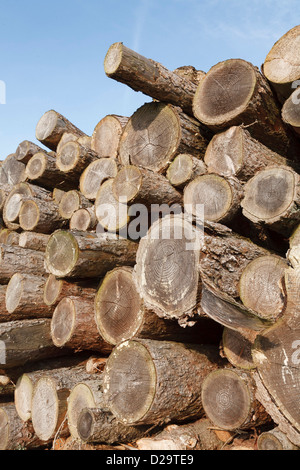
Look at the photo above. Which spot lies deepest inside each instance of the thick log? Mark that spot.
(26, 341)
(73, 158)
(156, 133)
(112, 215)
(97, 425)
(12, 171)
(14, 433)
(81, 254)
(95, 174)
(228, 398)
(274, 440)
(84, 220)
(276, 354)
(281, 66)
(197, 435)
(261, 286)
(73, 326)
(272, 199)
(120, 315)
(167, 268)
(24, 297)
(51, 127)
(71, 202)
(185, 168)
(14, 259)
(152, 392)
(106, 135)
(26, 150)
(235, 153)
(33, 240)
(213, 197)
(50, 401)
(56, 290)
(133, 185)
(150, 77)
(233, 93)
(290, 110)
(41, 216)
(42, 171)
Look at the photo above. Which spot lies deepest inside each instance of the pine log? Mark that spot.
(51, 127)
(85, 141)
(41, 216)
(5, 189)
(26, 150)
(276, 354)
(42, 171)
(228, 398)
(97, 425)
(50, 401)
(24, 297)
(7, 387)
(81, 254)
(73, 158)
(274, 440)
(133, 185)
(12, 171)
(84, 220)
(213, 197)
(120, 315)
(26, 341)
(272, 199)
(156, 133)
(185, 168)
(167, 268)
(237, 347)
(112, 215)
(290, 110)
(65, 138)
(55, 290)
(261, 286)
(95, 174)
(106, 135)
(141, 383)
(14, 433)
(150, 77)
(9, 237)
(14, 259)
(57, 195)
(233, 93)
(234, 152)
(33, 240)
(71, 202)
(73, 326)
(189, 72)
(197, 435)
(281, 66)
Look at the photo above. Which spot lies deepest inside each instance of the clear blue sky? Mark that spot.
(52, 52)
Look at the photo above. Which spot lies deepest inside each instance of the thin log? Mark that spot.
(84, 220)
(73, 326)
(281, 66)
(152, 392)
(233, 93)
(55, 290)
(290, 111)
(228, 397)
(26, 150)
(189, 72)
(51, 127)
(274, 440)
(95, 174)
(156, 133)
(237, 347)
(73, 158)
(106, 135)
(150, 77)
(184, 168)
(71, 202)
(112, 215)
(40, 216)
(33, 240)
(272, 199)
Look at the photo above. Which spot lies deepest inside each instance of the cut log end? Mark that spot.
(85, 424)
(23, 396)
(63, 322)
(81, 397)
(113, 58)
(61, 253)
(46, 125)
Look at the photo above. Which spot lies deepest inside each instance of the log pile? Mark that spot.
(150, 272)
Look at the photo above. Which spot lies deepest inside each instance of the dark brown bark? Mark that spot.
(156, 133)
(233, 93)
(150, 77)
(152, 392)
(52, 126)
(86, 255)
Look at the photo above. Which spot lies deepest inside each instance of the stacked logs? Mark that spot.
(149, 273)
